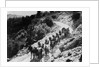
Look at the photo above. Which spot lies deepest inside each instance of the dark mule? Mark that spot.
(39, 53)
(33, 51)
(30, 49)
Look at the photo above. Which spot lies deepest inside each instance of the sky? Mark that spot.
(22, 13)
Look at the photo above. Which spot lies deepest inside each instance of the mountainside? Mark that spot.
(54, 36)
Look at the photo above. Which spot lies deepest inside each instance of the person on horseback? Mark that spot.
(60, 33)
(46, 50)
(57, 37)
(39, 44)
(46, 42)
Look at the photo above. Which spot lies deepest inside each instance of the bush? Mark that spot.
(48, 21)
(77, 19)
(12, 48)
(37, 32)
(25, 31)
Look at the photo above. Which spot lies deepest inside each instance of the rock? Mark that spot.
(57, 53)
(68, 60)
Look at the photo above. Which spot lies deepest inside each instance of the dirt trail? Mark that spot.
(64, 25)
(24, 58)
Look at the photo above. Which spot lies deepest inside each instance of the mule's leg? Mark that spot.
(31, 56)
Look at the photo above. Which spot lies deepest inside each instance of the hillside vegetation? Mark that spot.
(57, 33)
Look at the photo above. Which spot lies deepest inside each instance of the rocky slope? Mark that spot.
(62, 44)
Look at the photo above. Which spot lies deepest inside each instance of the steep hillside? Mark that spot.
(54, 36)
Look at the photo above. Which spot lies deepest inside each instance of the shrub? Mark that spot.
(48, 21)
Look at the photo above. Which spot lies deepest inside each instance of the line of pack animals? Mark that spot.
(44, 46)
